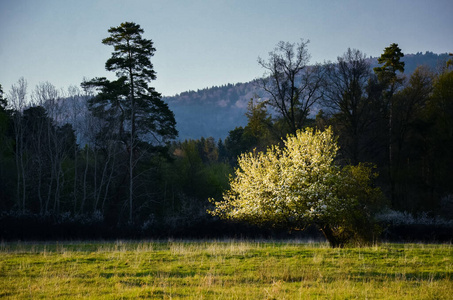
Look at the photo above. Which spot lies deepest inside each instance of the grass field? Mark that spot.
(224, 270)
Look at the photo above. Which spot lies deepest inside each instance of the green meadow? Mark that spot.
(224, 270)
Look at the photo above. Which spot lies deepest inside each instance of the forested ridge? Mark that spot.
(214, 111)
(103, 160)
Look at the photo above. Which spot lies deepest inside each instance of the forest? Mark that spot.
(103, 160)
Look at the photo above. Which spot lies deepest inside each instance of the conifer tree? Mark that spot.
(391, 64)
(389, 79)
(143, 117)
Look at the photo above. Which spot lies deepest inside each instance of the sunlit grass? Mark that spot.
(224, 270)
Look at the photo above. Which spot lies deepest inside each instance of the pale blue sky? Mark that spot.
(202, 43)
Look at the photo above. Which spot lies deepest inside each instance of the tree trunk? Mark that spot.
(132, 141)
(333, 240)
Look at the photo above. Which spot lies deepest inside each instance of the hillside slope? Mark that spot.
(213, 112)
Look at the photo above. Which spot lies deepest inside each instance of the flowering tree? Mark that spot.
(299, 185)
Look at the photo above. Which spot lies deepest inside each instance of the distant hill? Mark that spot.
(213, 112)
(412, 61)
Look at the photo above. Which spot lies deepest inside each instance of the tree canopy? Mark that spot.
(130, 97)
(391, 63)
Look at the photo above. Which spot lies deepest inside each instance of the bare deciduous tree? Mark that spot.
(345, 94)
(17, 101)
(293, 86)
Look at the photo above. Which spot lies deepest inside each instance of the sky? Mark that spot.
(205, 43)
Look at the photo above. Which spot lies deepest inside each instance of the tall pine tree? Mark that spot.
(387, 75)
(144, 118)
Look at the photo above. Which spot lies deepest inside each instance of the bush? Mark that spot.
(405, 227)
(19, 225)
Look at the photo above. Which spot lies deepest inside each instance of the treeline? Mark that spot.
(401, 124)
(62, 175)
(92, 163)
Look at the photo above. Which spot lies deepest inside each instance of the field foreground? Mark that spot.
(224, 270)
